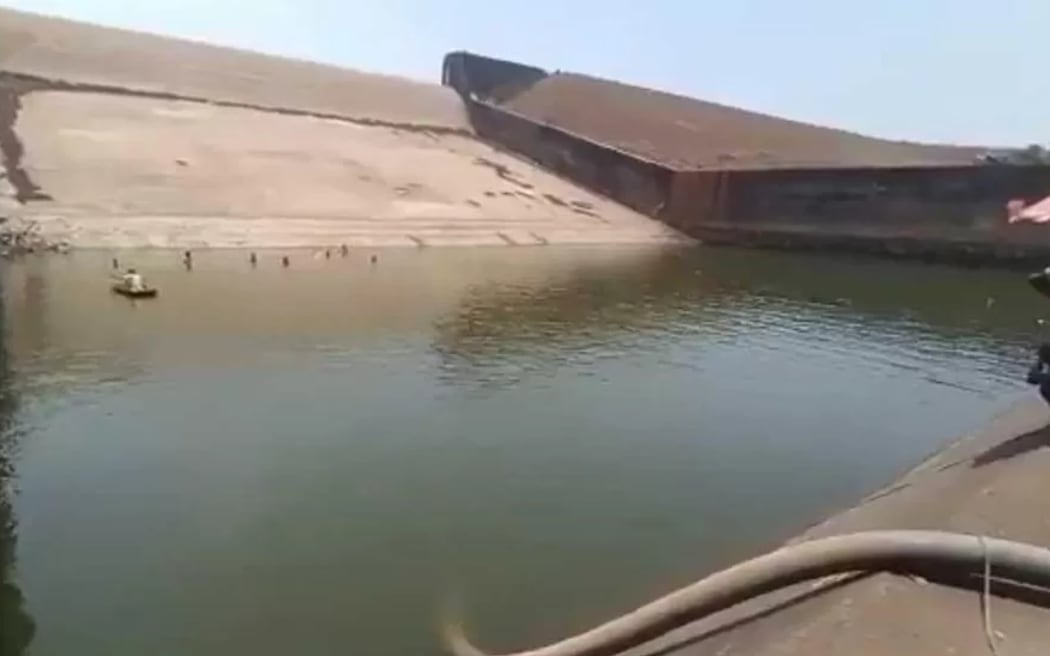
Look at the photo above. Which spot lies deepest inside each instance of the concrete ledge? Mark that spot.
(994, 482)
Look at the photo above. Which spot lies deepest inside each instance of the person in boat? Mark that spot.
(133, 282)
(1039, 374)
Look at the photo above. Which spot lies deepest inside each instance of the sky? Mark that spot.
(954, 71)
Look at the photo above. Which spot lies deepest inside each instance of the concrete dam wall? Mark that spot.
(113, 138)
(118, 139)
(730, 176)
(626, 177)
(948, 212)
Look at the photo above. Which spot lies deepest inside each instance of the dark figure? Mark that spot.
(253, 259)
(116, 264)
(327, 254)
(375, 258)
(1040, 281)
(1039, 374)
(187, 260)
(285, 261)
(343, 250)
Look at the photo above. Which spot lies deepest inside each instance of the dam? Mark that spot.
(729, 176)
(116, 139)
(320, 458)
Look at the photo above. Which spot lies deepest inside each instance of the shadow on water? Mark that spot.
(16, 627)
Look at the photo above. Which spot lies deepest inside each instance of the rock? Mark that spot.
(21, 237)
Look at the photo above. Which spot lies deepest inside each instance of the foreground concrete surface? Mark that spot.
(992, 483)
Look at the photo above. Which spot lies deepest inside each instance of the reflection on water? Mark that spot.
(727, 296)
(16, 627)
(308, 460)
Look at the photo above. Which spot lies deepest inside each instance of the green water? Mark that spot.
(309, 461)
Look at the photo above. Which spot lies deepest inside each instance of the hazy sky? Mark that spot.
(972, 71)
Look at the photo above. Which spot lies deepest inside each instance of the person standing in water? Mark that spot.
(1039, 374)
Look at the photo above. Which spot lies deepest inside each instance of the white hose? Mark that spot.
(912, 552)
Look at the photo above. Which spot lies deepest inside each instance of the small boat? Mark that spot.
(149, 292)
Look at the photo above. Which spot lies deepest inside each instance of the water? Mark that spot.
(314, 460)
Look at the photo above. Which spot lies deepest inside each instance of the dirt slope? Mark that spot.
(58, 49)
(687, 132)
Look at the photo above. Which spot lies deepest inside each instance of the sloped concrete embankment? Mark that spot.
(78, 54)
(991, 483)
(931, 204)
(222, 176)
(118, 139)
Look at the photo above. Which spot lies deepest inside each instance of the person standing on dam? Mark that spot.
(1039, 374)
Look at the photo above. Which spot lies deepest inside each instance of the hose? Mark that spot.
(909, 552)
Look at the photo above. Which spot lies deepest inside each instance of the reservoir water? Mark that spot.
(316, 460)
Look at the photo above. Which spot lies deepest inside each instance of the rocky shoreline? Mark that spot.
(24, 237)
